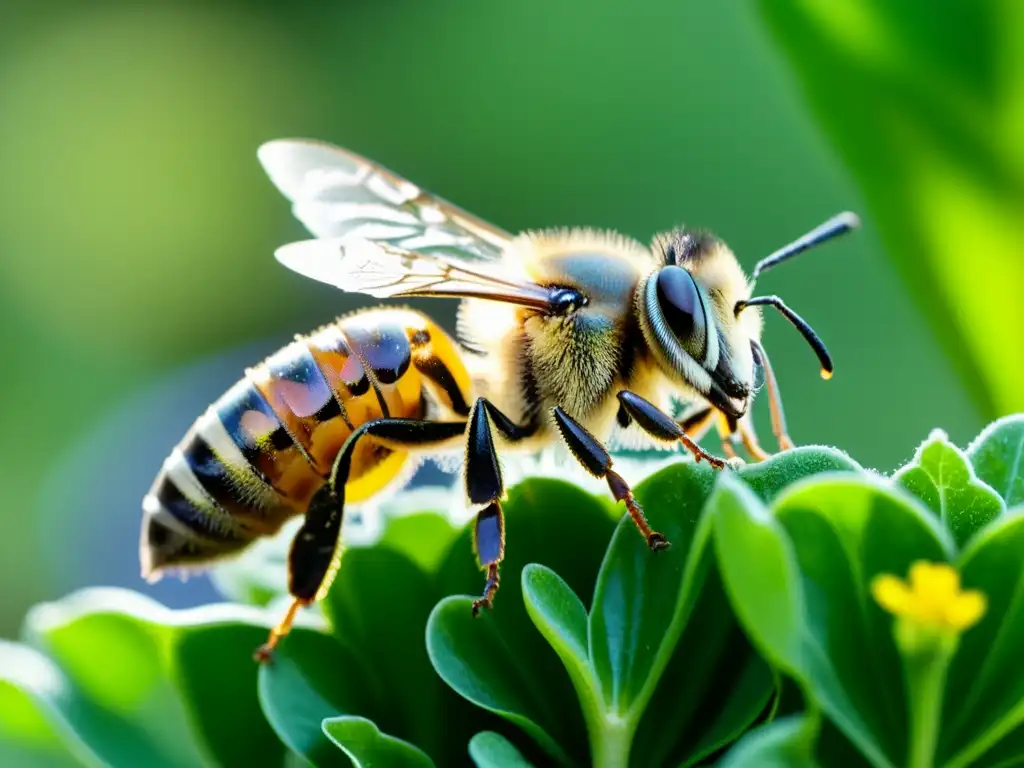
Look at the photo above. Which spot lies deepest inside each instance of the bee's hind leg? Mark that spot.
(310, 560)
(282, 628)
(313, 557)
(485, 486)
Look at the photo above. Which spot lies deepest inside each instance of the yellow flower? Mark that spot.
(931, 599)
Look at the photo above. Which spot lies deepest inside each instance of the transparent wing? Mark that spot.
(383, 270)
(337, 193)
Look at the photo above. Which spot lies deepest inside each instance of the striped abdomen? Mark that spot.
(259, 453)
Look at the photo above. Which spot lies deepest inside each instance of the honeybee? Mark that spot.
(572, 335)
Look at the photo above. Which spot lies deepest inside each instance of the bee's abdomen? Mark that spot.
(261, 451)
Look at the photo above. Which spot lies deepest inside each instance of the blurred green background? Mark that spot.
(137, 230)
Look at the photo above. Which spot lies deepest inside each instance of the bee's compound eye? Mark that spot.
(683, 309)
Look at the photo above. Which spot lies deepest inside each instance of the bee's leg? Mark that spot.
(489, 545)
(740, 432)
(749, 437)
(661, 426)
(485, 486)
(595, 459)
(727, 431)
(282, 628)
(697, 422)
(774, 398)
(312, 559)
(309, 561)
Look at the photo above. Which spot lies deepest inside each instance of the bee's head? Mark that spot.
(686, 313)
(698, 316)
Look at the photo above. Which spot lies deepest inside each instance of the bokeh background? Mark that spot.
(137, 230)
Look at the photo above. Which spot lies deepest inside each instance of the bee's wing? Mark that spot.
(382, 270)
(337, 193)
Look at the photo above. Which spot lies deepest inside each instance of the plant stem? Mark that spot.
(926, 679)
(611, 747)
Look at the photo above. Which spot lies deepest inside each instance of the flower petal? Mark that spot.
(892, 594)
(966, 610)
(936, 583)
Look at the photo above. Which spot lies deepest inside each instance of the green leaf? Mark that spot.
(367, 747)
(768, 478)
(661, 631)
(377, 607)
(833, 748)
(492, 750)
(983, 713)
(477, 661)
(133, 715)
(785, 743)
(998, 458)
(644, 601)
(695, 677)
(714, 707)
(923, 107)
(162, 699)
(33, 730)
(671, 605)
(942, 478)
(311, 678)
(500, 661)
(640, 595)
(760, 573)
(764, 564)
(844, 532)
(697, 670)
(424, 537)
(216, 677)
(800, 585)
(560, 616)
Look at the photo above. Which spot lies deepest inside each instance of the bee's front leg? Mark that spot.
(595, 459)
(661, 426)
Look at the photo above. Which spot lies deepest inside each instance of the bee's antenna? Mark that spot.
(839, 224)
(801, 325)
